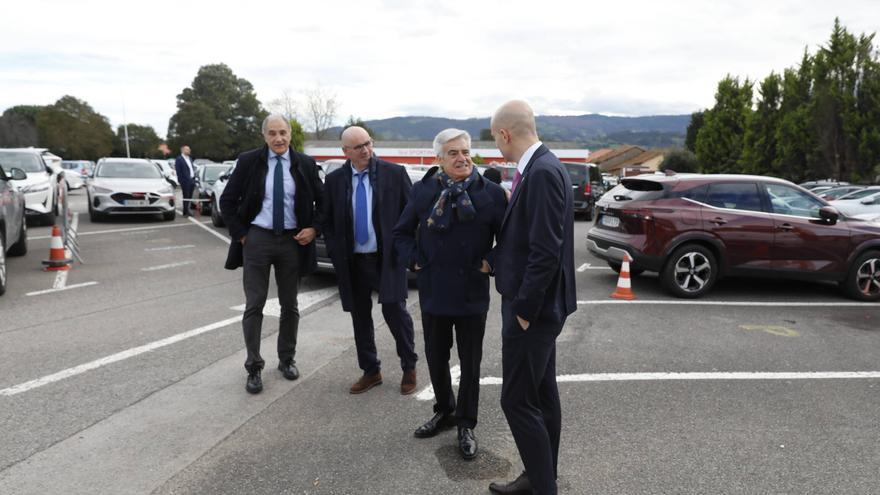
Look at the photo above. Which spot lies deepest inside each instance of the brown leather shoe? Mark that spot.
(408, 383)
(366, 383)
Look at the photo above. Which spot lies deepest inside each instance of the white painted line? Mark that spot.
(171, 248)
(61, 277)
(304, 300)
(119, 356)
(583, 267)
(116, 231)
(139, 232)
(587, 266)
(734, 303)
(50, 291)
(170, 265)
(428, 392)
(733, 375)
(209, 229)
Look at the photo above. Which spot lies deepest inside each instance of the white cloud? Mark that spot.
(396, 57)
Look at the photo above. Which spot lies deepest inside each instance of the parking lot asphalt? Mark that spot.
(761, 387)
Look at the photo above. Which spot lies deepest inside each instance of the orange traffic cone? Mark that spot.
(624, 290)
(58, 259)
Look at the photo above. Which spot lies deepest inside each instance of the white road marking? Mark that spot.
(587, 266)
(60, 278)
(304, 300)
(171, 248)
(170, 265)
(733, 303)
(428, 392)
(139, 232)
(209, 229)
(307, 299)
(49, 291)
(722, 375)
(116, 231)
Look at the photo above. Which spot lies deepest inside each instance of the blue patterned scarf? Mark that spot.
(453, 197)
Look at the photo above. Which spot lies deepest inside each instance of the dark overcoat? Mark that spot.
(449, 278)
(391, 186)
(242, 200)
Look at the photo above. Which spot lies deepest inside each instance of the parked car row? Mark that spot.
(695, 229)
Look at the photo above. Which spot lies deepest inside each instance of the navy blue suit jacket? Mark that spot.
(183, 176)
(391, 187)
(450, 281)
(534, 264)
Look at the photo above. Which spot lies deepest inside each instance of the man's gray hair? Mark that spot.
(274, 116)
(447, 135)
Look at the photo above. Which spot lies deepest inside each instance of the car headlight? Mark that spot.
(101, 190)
(166, 190)
(39, 187)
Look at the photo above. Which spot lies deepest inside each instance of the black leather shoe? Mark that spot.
(254, 382)
(519, 486)
(440, 421)
(467, 443)
(289, 370)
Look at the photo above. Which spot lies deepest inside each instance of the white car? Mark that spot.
(41, 186)
(859, 203)
(129, 186)
(168, 171)
(216, 192)
(76, 172)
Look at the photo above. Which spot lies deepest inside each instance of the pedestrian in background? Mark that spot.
(271, 205)
(186, 177)
(445, 235)
(534, 273)
(364, 199)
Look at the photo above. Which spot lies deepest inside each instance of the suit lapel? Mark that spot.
(516, 193)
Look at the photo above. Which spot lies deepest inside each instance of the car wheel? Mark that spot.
(863, 281)
(169, 215)
(690, 272)
(633, 272)
(216, 219)
(20, 248)
(2, 264)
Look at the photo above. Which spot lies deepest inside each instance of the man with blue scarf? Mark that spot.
(445, 234)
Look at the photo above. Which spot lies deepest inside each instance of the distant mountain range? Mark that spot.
(592, 130)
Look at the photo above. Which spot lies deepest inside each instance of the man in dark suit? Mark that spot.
(363, 201)
(185, 177)
(446, 234)
(272, 204)
(534, 273)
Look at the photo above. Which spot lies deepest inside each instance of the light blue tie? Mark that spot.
(361, 233)
(278, 198)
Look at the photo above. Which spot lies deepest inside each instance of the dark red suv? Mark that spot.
(693, 229)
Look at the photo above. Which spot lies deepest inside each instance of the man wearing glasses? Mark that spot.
(363, 200)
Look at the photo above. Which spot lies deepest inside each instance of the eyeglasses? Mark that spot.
(360, 147)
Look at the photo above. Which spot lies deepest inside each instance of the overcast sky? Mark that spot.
(410, 57)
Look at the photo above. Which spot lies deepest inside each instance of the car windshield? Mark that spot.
(128, 170)
(577, 172)
(28, 162)
(211, 173)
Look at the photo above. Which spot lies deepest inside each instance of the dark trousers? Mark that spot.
(186, 190)
(365, 278)
(529, 396)
(262, 250)
(469, 332)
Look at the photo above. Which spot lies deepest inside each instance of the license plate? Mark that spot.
(136, 202)
(610, 221)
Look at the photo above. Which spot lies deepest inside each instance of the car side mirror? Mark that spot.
(829, 214)
(17, 174)
(867, 201)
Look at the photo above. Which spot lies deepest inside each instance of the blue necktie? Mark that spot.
(278, 198)
(361, 234)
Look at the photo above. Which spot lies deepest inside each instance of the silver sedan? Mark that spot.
(126, 186)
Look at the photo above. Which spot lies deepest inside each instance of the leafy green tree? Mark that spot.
(796, 142)
(72, 129)
(720, 141)
(360, 123)
(478, 160)
(486, 135)
(18, 126)
(681, 161)
(759, 145)
(219, 116)
(143, 142)
(690, 140)
(297, 136)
